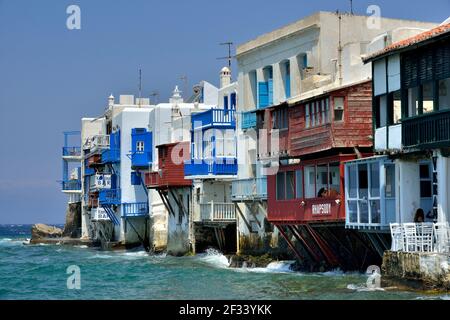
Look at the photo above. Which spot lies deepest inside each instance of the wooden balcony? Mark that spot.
(249, 189)
(427, 131)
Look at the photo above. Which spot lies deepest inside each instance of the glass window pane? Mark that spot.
(352, 183)
(322, 180)
(444, 94)
(290, 191)
(390, 181)
(299, 184)
(374, 180)
(281, 186)
(413, 101)
(353, 211)
(363, 211)
(310, 191)
(397, 106)
(428, 103)
(363, 181)
(425, 189)
(338, 108)
(334, 180)
(375, 211)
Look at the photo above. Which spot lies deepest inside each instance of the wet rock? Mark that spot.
(72, 228)
(246, 261)
(42, 231)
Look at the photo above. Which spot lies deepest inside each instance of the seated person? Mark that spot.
(323, 193)
(420, 216)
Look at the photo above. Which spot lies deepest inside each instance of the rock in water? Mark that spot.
(42, 231)
(73, 221)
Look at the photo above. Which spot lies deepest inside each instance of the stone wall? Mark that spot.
(428, 271)
(72, 228)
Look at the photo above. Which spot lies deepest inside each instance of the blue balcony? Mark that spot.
(214, 118)
(110, 197)
(71, 185)
(71, 151)
(249, 189)
(215, 167)
(111, 156)
(138, 209)
(248, 120)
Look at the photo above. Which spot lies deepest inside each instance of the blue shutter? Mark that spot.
(287, 86)
(270, 88)
(233, 101)
(225, 102)
(263, 94)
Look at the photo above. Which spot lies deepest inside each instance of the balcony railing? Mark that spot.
(99, 214)
(248, 120)
(214, 117)
(427, 130)
(216, 167)
(110, 197)
(97, 142)
(138, 209)
(71, 185)
(71, 151)
(218, 212)
(249, 189)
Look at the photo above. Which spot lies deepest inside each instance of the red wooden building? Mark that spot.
(171, 158)
(316, 136)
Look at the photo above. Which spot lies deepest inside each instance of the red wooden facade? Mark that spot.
(318, 129)
(94, 160)
(321, 133)
(171, 159)
(305, 205)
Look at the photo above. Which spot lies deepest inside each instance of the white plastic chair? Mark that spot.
(442, 237)
(398, 243)
(411, 244)
(424, 235)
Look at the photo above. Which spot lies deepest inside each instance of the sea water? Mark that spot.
(40, 272)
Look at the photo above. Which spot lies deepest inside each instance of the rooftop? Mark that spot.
(410, 42)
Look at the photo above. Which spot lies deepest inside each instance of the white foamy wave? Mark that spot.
(362, 288)
(7, 242)
(215, 258)
(101, 256)
(82, 247)
(275, 267)
(136, 254)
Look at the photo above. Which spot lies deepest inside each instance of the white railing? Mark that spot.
(99, 214)
(97, 142)
(215, 211)
(420, 237)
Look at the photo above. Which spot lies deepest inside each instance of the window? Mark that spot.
(363, 181)
(390, 181)
(425, 181)
(307, 117)
(413, 101)
(321, 179)
(374, 180)
(140, 146)
(334, 179)
(310, 181)
(444, 95)
(233, 101)
(397, 105)
(225, 102)
(338, 108)
(299, 184)
(428, 97)
(280, 119)
(352, 181)
(290, 185)
(323, 117)
(381, 105)
(281, 187)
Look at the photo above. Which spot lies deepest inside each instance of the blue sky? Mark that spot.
(50, 76)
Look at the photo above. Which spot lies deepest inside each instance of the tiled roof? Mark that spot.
(442, 29)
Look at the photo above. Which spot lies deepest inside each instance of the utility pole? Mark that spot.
(351, 7)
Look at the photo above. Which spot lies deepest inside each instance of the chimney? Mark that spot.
(225, 77)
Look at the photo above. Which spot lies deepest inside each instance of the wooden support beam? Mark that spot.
(323, 246)
(302, 240)
(253, 214)
(243, 218)
(289, 242)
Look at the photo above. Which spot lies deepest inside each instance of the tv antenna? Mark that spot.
(351, 7)
(229, 57)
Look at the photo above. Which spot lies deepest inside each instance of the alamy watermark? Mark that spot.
(73, 21)
(74, 278)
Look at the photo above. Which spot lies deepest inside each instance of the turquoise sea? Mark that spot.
(39, 272)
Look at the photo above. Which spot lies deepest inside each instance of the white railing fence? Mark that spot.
(216, 211)
(420, 237)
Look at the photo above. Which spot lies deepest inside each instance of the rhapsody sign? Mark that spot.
(323, 208)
